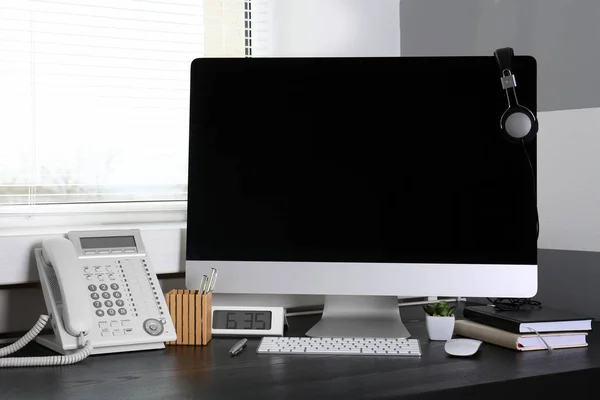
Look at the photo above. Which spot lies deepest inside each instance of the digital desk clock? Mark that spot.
(247, 321)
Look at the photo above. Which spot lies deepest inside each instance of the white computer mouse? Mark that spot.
(462, 347)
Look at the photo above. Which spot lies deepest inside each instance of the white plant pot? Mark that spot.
(439, 328)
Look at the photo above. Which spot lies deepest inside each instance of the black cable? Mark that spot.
(537, 215)
(504, 304)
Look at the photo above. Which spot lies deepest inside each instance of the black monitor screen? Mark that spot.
(396, 160)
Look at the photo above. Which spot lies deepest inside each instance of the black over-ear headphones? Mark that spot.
(518, 124)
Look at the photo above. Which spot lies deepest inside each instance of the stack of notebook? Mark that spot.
(524, 330)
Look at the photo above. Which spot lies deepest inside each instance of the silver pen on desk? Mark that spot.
(238, 347)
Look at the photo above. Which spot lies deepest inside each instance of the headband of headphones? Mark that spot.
(518, 123)
(504, 58)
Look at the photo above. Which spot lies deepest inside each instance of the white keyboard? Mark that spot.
(340, 346)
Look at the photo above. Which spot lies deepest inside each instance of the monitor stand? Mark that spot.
(360, 316)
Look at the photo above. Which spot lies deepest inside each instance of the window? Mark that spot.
(95, 95)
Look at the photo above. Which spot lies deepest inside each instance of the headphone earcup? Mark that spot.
(519, 124)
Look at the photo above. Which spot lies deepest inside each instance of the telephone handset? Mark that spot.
(102, 297)
(59, 253)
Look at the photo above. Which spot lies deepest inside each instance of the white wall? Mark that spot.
(569, 179)
(336, 28)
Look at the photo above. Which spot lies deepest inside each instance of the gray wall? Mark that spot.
(561, 34)
(569, 280)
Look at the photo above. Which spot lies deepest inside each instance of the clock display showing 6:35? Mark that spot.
(239, 319)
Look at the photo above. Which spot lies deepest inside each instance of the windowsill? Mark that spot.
(162, 226)
(60, 218)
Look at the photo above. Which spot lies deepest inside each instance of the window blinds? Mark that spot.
(95, 94)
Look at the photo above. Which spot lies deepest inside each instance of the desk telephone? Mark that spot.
(102, 296)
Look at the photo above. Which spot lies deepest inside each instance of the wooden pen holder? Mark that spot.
(191, 313)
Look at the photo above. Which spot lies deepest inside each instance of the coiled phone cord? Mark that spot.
(40, 361)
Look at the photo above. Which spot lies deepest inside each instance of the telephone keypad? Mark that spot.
(113, 297)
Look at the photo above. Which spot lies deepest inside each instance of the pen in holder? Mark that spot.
(191, 313)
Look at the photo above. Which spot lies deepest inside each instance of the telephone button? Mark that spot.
(126, 322)
(153, 327)
(94, 296)
(111, 312)
(117, 295)
(129, 331)
(108, 268)
(111, 277)
(87, 252)
(104, 286)
(103, 325)
(98, 269)
(92, 288)
(118, 332)
(116, 251)
(97, 304)
(114, 286)
(102, 251)
(114, 323)
(120, 303)
(86, 270)
(100, 277)
(100, 313)
(106, 295)
(108, 303)
(105, 334)
(122, 311)
(88, 277)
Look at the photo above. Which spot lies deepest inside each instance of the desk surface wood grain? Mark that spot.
(210, 373)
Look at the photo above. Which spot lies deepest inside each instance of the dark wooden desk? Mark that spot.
(209, 373)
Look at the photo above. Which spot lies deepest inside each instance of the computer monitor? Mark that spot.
(362, 179)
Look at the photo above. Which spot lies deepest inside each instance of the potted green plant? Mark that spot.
(439, 320)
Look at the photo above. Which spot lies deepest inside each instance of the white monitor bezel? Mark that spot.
(367, 279)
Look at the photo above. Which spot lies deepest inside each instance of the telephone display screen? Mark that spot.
(107, 242)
